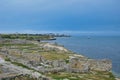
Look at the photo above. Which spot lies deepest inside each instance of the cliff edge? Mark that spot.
(32, 60)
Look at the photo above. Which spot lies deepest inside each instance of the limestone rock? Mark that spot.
(100, 65)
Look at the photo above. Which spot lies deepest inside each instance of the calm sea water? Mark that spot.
(97, 47)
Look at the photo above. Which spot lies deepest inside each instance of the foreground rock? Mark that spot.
(86, 65)
(11, 71)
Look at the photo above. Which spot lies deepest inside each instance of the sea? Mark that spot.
(96, 47)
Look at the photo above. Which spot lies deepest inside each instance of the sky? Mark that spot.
(63, 16)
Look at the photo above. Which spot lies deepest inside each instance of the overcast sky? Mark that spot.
(60, 16)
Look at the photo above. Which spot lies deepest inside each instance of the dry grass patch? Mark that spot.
(52, 55)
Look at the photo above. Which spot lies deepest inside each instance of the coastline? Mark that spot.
(104, 46)
(46, 57)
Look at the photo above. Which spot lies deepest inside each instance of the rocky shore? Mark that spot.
(32, 60)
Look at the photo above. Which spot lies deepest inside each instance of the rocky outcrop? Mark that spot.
(100, 65)
(14, 72)
(77, 65)
(54, 47)
(86, 65)
(28, 60)
(23, 77)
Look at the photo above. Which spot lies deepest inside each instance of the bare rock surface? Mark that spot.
(13, 70)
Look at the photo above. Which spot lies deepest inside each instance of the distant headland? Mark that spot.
(48, 36)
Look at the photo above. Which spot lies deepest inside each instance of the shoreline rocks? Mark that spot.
(28, 60)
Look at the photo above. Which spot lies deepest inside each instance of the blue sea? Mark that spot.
(97, 47)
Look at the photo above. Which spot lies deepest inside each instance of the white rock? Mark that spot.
(65, 79)
(36, 74)
(2, 60)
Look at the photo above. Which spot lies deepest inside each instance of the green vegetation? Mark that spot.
(20, 64)
(27, 36)
(83, 76)
(66, 60)
(26, 77)
(53, 55)
(20, 77)
(0, 69)
(35, 49)
(32, 36)
(7, 59)
(9, 44)
(16, 63)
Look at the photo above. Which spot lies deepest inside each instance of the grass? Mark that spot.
(16, 63)
(67, 61)
(32, 48)
(53, 55)
(0, 69)
(21, 77)
(7, 59)
(18, 45)
(20, 64)
(83, 76)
